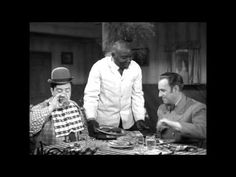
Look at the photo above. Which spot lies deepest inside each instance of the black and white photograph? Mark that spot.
(118, 88)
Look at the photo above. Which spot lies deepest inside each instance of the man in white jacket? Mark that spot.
(113, 95)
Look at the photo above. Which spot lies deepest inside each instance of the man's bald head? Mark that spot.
(120, 46)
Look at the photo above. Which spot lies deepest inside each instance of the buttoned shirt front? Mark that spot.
(109, 96)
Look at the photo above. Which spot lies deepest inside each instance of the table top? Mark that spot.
(102, 147)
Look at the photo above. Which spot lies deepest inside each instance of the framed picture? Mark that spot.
(182, 65)
(141, 56)
(67, 58)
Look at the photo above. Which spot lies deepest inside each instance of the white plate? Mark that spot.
(117, 145)
(157, 152)
(121, 147)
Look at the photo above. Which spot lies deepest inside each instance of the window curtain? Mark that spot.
(194, 65)
(193, 73)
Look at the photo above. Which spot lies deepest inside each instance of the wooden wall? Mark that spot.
(166, 35)
(85, 52)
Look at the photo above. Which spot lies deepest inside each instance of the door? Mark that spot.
(40, 71)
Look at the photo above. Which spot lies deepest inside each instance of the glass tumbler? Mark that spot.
(140, 140)
(150, 142)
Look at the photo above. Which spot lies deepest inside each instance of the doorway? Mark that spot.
(40, 71)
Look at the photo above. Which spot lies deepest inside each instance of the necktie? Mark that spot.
(171, 107)
(120, 71)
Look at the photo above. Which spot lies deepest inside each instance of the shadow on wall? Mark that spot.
(78, 93)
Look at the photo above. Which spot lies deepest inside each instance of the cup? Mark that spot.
(140, 140)
(63, 101)
(150, 142)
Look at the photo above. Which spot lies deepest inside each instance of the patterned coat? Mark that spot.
(42, 126)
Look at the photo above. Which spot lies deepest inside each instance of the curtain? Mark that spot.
(187, 63)
(194, 65)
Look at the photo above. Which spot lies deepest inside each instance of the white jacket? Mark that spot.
(108, 96)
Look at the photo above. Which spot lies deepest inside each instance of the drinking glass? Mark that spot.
(64, 102)
(140, 140)
(139, 144)
(150, 142)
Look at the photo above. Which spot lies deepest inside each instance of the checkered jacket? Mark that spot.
(41, 124)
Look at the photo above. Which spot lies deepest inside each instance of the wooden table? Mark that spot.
(103, 148)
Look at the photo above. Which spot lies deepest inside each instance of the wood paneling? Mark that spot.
(168, 34)
(88, 51)
(85, 52)
(40, 69)
(75, 29)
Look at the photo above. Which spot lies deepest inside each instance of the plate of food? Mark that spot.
(109, 130)
(157, 152)
(121, 144)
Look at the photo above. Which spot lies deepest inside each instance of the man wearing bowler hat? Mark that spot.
(57, 119)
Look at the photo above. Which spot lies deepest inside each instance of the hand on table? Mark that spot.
(142, 127)
(92, 127)
(165, 123)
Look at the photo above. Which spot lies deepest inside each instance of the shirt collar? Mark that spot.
(114, 66)
(178, 105)
(178, 100)
(181, 103)
(112, 63)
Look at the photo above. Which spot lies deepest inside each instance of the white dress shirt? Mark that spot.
(108, 96)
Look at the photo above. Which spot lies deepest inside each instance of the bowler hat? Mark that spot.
(60, 75)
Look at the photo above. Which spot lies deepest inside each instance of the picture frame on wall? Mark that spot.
(182, 65)
(67, 58)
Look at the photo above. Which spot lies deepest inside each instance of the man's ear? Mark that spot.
(176, 88)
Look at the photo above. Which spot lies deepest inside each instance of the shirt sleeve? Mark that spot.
(160, 116)
(197, 128)
(38, 116)
(159, 112)
(91, 92)
(137, 97)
